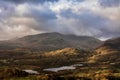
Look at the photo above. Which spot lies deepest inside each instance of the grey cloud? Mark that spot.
(31, 1)
(109, 3)
(90, 23)
(43, 15)
(106, 33)
(77, 0)
(86, 18)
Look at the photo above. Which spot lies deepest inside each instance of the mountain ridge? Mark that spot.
(52, 41)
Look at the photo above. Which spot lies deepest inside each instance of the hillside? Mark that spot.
(108, 52)
(68, 52)
(51, 41)
(25, 60)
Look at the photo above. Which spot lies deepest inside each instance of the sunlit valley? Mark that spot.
(54, 55)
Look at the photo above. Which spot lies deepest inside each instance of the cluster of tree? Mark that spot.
(11, 72)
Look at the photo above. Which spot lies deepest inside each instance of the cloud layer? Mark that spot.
(110, 3)
(98, 18)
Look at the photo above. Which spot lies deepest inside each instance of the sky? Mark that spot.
(97, 18)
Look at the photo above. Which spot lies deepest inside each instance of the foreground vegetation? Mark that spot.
(11, 68)
(15, 74)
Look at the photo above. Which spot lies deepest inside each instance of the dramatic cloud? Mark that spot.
(98, 18)
(110, 3)
(30, 1)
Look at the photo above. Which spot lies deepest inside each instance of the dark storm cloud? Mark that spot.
(43, 15)
(109, 3)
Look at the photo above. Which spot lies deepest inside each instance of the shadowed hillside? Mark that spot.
(51, 41)
(108, 52)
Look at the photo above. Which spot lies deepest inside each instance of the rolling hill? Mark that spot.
(108, 52)
(51, 41)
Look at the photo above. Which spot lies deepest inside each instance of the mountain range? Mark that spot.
(50, 42)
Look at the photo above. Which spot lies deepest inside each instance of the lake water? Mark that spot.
(77, 65)
(31, 71)
(71, 67)
(60, 68)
